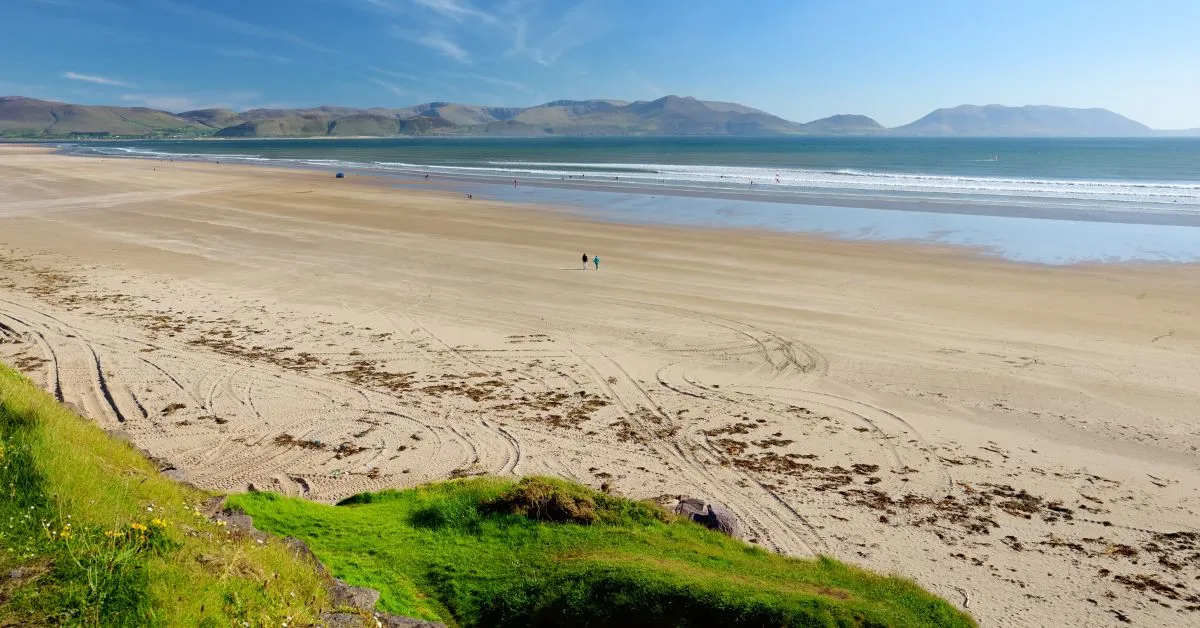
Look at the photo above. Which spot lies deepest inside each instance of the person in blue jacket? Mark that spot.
(596, 261)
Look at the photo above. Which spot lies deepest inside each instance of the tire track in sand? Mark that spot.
(630, 396)
(55, 381)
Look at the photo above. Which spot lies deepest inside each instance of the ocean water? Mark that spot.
(1041, 200)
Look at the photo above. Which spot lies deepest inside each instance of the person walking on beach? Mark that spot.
(596, 261)
(585, 261)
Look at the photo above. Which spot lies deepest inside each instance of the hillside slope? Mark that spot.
(214, 118)
(32, 117)
(1027, 121)
(106, 540)
(543, 552)
(843, 124)
(669, 115)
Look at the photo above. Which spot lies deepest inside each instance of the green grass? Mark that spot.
(491, 552)
(102, 539)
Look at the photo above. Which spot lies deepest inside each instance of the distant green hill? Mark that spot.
(669, 115)
(29, 117)
(844, 124)
(285, 126)
(214, 118)
(1027, 121)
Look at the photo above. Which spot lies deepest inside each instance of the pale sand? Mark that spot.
(886, 404)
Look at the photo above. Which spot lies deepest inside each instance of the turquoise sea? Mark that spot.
(1039, 200)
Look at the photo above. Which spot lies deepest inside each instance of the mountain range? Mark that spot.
(23, 117)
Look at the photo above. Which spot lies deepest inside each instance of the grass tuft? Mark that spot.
(544, 552)
(556, 501)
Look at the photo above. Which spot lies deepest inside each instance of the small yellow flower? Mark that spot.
(158, 523)
(139, 527)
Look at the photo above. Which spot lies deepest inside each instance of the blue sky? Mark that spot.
(892, 60)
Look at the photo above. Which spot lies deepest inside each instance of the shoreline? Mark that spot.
(394, 180)
(988, 428)
(960, 251)
(1036, 235)
(1155, 216)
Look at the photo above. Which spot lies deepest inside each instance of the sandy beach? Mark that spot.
(1020, 439)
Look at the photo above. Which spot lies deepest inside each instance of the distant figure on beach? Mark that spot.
(596, 261)
(514, 183)
(585, 260)
(426, 177)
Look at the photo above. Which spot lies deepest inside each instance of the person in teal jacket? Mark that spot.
(596, 261)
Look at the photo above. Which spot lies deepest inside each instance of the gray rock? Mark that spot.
(352, 620)
(342, 594)
(711, 516)
(343, 620)
(301, 550)
(241, 522)
(179, 475)
(396, 621)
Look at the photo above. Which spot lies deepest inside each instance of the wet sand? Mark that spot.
(1020, 439)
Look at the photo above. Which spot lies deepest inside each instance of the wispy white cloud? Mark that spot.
(397, 75)
(534, 30)
(92, 78)
(386, 5)
(441, 87)
(580, 25)
(545, 45)
(244, 28)
(445, 46)
(647, 86)
(395, 89)
(457, 10)
(514, 85)
(246, 53)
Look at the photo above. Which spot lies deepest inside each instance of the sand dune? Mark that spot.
(1022, 440)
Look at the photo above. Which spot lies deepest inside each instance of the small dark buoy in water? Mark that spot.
(340, 175)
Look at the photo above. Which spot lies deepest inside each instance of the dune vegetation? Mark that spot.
(91, 534)
(501, 552)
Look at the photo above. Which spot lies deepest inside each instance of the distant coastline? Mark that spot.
(670, 116)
